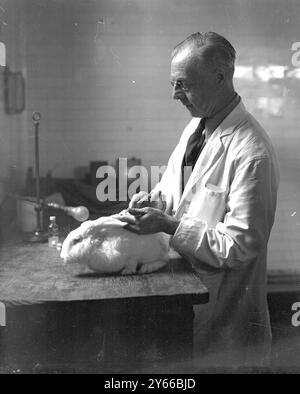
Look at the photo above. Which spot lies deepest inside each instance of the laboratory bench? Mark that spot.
(61, 321)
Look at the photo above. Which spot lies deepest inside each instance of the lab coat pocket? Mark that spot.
(209, 204)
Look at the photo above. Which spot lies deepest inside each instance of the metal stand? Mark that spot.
(38, 235)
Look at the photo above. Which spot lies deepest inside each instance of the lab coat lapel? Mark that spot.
(209, 156)
(177, 188)
(211, 153)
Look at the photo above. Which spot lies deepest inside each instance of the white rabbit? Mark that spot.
(106, 247)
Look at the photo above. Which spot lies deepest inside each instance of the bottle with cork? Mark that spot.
(53, 233)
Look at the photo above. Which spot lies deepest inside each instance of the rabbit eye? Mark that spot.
(77, 240)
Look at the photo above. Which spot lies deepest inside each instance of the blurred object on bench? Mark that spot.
(55, 198)
(75, 193)
(26, 214)
(81, 214)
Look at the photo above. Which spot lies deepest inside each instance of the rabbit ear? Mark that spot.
(125, 217)
(111, 222)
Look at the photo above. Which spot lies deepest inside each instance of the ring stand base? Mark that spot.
(36, 237)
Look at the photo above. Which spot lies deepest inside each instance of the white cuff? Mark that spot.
(188, 235)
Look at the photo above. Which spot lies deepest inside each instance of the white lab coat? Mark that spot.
(226, 214)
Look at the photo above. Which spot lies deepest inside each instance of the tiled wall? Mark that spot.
(98, 71)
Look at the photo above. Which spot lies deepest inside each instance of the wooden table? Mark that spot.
(59, 320)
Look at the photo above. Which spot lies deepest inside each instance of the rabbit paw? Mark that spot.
(130, 268)
(150, 267)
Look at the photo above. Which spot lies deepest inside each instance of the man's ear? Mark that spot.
(220, 74)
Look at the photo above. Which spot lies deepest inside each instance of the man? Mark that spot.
(219, 218)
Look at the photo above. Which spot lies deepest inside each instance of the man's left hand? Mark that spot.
(151, 220)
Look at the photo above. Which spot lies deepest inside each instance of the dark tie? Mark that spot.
(194, 147)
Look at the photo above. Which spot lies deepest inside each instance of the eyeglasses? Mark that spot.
(179, 85)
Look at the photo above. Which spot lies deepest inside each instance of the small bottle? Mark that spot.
(53, 233)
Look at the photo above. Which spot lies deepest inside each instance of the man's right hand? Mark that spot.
(143, 199)
(138, 199)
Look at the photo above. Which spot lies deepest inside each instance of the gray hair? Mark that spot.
(214, 49)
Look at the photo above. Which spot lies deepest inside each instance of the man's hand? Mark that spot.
(151, 220)
(143, 199)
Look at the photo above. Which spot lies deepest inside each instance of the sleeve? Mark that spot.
(245, 230)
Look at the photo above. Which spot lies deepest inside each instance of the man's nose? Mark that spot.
(177, 93)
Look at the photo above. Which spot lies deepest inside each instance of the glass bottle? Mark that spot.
(53, 233)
